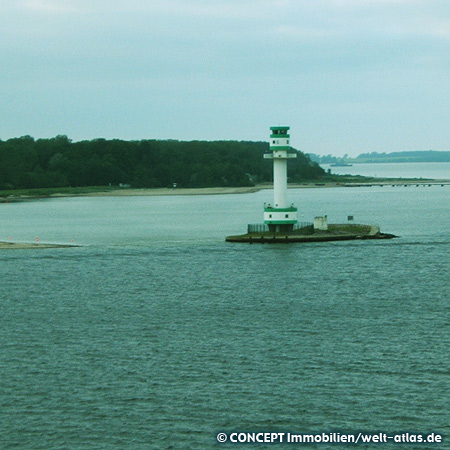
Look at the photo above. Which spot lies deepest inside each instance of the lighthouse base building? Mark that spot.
(280, 216)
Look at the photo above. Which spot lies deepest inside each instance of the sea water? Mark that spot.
(157, 334)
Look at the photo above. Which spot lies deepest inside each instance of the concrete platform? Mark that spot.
(335, 232)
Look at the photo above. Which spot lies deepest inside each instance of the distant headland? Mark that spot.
(393, 157)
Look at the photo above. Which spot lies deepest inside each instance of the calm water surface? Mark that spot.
(156, 334)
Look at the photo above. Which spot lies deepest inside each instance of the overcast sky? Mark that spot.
(348, 76)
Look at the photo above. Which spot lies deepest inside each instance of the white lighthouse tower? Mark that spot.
(280, 216)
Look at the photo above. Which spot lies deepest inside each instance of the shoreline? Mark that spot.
(130, 192)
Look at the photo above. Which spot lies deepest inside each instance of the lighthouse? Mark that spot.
(280, 216)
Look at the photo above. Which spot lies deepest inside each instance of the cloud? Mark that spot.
(435, 26)
(50, 6)
(226, 56)
(362, 4)
(240, 10)
(293, 31)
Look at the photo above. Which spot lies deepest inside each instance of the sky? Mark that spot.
(348, 76)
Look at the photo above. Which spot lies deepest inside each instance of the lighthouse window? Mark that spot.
(270, 216)
(288, 141)
(286, 215)
(273, 142)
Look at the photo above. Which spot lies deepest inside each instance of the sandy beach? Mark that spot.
(128, 192)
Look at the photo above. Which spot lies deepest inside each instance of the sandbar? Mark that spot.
(25, 245)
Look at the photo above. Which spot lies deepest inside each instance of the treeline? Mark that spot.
(59, 162)
(374, 157)
(413, 156)
(328, 159)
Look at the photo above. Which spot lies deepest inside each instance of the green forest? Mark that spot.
(58, 162)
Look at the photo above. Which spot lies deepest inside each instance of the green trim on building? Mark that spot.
(275, 210)
(280, 222)
(280, 128)
(280, 136)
